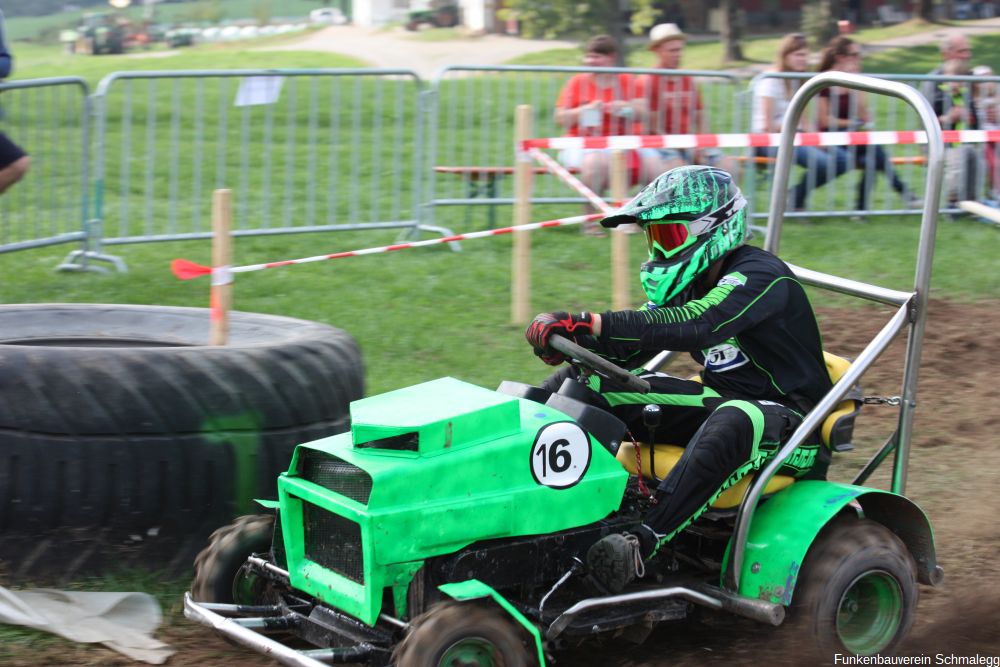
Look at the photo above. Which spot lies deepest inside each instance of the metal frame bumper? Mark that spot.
(239, 624)
(711, 597)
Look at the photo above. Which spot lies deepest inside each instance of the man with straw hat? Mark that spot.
(673, 103)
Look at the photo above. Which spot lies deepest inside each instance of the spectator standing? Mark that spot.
(14, 162)
(672, 103)
(596, 104)
(952, 102)
(987, 106)
(770, 100)
(953, 47)
(845, 110)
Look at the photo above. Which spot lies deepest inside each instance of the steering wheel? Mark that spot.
(598, 364)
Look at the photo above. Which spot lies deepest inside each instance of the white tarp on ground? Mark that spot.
(123, 622)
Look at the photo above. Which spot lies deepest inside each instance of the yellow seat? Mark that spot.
(666, 458)
(838, 427)
(835, 432)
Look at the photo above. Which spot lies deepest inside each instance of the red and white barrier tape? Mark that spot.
(185, 269)
(571, 180)
(630, 142)
(221, 275)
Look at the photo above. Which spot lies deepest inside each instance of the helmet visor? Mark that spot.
(666, 238)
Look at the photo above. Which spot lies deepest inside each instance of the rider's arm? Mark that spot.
(737, 302)
(622, 353)
(627, 354)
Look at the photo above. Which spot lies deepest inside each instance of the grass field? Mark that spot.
(426, 313)
(21, 28)
(417, 314)
(38, 61)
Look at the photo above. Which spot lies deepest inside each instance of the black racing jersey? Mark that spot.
(754, 332)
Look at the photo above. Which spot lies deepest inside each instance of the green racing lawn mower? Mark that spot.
(449, 527)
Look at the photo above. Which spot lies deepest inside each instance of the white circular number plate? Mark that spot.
(561, 455)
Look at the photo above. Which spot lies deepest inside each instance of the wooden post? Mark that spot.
(222, 258)
(520, 274)
(619, 240)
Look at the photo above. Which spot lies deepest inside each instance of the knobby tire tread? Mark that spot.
(145, 436)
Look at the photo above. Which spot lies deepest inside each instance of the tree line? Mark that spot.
(561, 17)
(557, 18)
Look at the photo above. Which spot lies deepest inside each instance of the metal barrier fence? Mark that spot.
(340, 149)
(472, 111)
(302, 150)
(50, 120)
(866, 181)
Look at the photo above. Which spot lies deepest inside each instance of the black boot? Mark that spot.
(617, 559)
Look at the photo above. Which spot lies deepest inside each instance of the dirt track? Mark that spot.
(398, 49)
(953, 476)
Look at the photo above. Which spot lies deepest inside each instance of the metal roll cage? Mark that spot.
(912, 306)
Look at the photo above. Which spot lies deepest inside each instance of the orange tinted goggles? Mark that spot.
(666, 236)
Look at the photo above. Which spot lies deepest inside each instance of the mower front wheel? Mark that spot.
(454, 634)
(220, 574)
(857, 592)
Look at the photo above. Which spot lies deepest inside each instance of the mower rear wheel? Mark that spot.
(857, 592)
(220, 574)
(454, 634)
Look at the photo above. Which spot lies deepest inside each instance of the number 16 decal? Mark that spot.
(561, 455)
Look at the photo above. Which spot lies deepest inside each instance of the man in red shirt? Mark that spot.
(672, 104)
(596, 104)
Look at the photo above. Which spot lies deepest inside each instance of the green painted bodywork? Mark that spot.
(787, 524)
(473, 589)
(470, 480)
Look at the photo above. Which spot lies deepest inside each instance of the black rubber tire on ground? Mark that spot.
(219, 564)
(124, 417)
(439, 637)
(856, 592)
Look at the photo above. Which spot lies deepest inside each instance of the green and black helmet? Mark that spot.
(692, 216)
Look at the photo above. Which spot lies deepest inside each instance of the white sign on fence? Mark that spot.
(259, 90)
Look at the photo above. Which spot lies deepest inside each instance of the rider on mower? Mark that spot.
(741, 313)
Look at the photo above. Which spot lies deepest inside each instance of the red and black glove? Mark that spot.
(564, 324)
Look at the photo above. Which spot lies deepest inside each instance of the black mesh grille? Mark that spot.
(336, 474)
(333, 542)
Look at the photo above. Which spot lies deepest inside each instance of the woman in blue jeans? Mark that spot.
(842, 109)
(771, 97)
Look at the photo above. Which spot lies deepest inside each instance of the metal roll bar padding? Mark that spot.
(913, 312)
